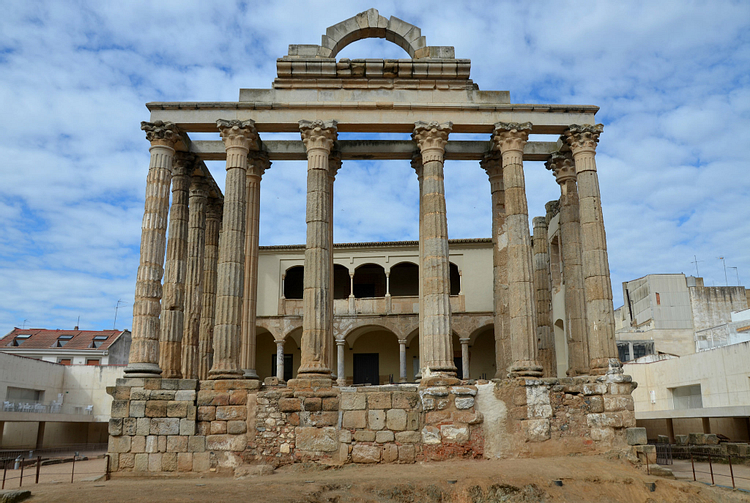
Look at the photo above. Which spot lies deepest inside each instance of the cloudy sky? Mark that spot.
(672, 79)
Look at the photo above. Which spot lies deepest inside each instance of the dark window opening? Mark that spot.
(63, 340)
(455, 280)
(341, 282)
(366, 368)
(20, 339)
(459, 363)
(623, 352)
(404, 280)
(98, 341)
(294, 282)
(369, 281)
(288, 366)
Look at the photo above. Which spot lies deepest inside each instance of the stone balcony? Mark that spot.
(370, 305)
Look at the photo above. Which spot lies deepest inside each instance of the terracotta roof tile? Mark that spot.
(41, 338)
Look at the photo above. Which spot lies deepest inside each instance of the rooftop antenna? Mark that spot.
(726, 281)
(117, 306)
(738, 275)
(695, 261)
(23, 327)
(78, 323)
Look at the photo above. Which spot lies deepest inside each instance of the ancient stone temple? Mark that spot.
(211, 383)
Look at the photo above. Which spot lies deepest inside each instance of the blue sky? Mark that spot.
(672, 79)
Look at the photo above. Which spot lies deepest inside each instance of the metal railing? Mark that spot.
(52, 408)
(13, 470)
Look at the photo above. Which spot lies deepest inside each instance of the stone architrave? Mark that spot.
(194, 276)
(258, 163)
(416, 164)
(435, 324)
(600, 319)
(239, 137)
(543, 297)
(493, 165)
(208, 304)
(317, 337)
(144, 349)
(561, 165)
(509, 139)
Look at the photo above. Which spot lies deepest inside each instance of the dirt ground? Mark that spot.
(584, 479)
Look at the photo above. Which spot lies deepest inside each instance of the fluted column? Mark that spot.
(208, 305)
(435, 323)
(334, 165)
(238, 137)
(173, 303)
(600, 319)
(416, 164)
(317, 337)
(144, 349)
(570, 243)
(543, 297)
(493, 165)
(194, 276)
(465, 356)
(257, 164)
(402, 360)
(340, 354)
(510, 139)
(280, 360)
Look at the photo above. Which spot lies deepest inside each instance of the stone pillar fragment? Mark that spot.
(238, 137)
(493, 165)
(435, 325)
(144, 349)
(416, 164)
(317, 337)
(341, 377)
(543, 286)
(258, 163)
(194, 276)
(208, 304)
(570, 243)
(334, 165)
(280, 360)
(600, 320)
(509, 139)
(402, 360)
(465, 356)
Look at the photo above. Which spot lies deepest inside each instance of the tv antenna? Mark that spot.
(695, 261)
(117, 306)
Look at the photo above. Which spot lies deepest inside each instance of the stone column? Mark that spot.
(416, 164)
(434, 264)
(317, 338)
(340, 354)
(194, 279)
(257, 165)
(144, 349)
(280, 360)
(238, 137)
(208, 305)
(334, 165)
(493, 165)
(464, 356)
(402, 360)
(543, 286)
(510, 139)
(600, 320)
(570, 243)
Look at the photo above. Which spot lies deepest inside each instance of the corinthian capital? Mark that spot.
(583, 137)
(237, 133)
(431, 138)
(257, 163)
(492, 163)
(162, 132)
(416, 164)
(214, 208)
(183, 164)
(562, 166)
(318, 134)
(511, 135)
(334, 163)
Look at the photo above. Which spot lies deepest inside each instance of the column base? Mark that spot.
(438, 378)
(525, 368)
(602, 366)
(250, 374)
(143, 370)
(310, 381)
(225, 374)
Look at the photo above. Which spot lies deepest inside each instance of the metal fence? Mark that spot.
(61, 468)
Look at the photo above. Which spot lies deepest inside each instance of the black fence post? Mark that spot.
(38, 467)
(711, 467)
(693, 464)
(73, 469)
(731, 471)
(5, 471)
(106, 473)
(20, 482)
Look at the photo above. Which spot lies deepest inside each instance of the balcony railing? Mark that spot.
(51, 408)
(370, 305)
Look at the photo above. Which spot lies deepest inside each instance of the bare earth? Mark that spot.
(584, 479)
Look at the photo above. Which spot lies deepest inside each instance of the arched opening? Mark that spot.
(482, 354)
(404, 279)
(264, 346)
(294, 282)
(455, 279)
(369, 281)
(412, 356)
(341, 283)
(372, 356)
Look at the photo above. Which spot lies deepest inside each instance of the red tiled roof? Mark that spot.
(41, 338)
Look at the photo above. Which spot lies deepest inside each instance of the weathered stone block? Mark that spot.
(177, 409)
(139, 394)
(464, 402)
(737, 449)
(290, 404)
(345, 437)
(594, 388)
(192, 412)
(412, 421)
(170, 384)
(331, 403)
(313, 404)
(364, 436)
(154, 462)
(621, 388)
(428, 403)
(185, 395)
(431, 435)
(681, 439)
(169, 461)
(328, 418)
(384, 436)
(390, 453)
(156, 408)
(143, 426)
(613, 403)
(467, 417)
(539, 410)
(662, 439)
(229, 412)
(604, 420)
(595, 403)
(317, 439)
(218, 427)
(211, 397)
(362, 453)
(119, 392)
(177, 443)
(161, 442)
(236, 427)
(234, 443)
(165, 426)
(230, 384)
(162, 394)
(120, 408)
(114, 462)
(201, 462)
(712, 439)
(628, 418)
(354, 419)
(115, 426)
(463, 390)
(141, 462)
(451, 433)
(152, 383)
(129, 426)
(184, 461)
(152, 444)
(138, 408)
(408, 437)
(519, 396)
(138, 444)
(196, 443)
(379, 400)
(187, 426)
(603, 435)
(127, 460)
(406, 454)
(376, 419)
(636, 436)
(536, 430)
(404, 400)
(396, 419)
(353, 401)
(191, 384)
(437, 416)
(206, 413)
(119, 444)
(697, 439)
(238, 397)
(644, 452)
